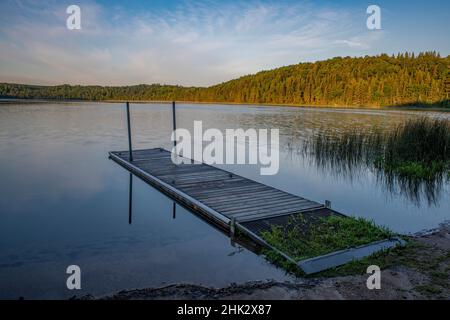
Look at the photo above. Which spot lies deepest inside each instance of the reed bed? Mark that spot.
(412, 159)
(419, 148)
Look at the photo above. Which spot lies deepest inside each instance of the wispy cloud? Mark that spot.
(195, 43)
(363, 42)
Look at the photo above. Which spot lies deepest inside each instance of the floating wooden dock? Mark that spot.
(225, 199)
(220, 195)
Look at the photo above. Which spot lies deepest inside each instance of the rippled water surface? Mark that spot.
(63, 202)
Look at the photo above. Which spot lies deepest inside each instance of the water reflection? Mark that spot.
(240, 242)
(130, 200)
(174, 215)
(418, 191)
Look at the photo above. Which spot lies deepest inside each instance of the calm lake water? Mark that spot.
(63, 202)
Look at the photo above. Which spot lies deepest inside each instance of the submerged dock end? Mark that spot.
(338, 258)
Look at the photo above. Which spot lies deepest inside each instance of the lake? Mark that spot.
(64, 202)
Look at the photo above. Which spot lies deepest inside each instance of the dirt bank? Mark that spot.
(420, 271)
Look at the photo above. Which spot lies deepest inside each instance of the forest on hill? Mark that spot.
(374, 81)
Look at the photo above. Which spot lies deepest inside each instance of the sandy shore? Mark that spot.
(419, 272)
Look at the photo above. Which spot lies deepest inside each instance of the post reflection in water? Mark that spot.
(130, 202)
(238, 243)
(174, 210)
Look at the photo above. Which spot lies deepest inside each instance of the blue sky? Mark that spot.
(202, 42)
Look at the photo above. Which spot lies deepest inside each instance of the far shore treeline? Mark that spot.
(401, 80)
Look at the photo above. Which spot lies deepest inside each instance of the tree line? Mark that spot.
(381, 80)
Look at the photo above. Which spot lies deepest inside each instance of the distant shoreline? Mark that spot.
(411, 108)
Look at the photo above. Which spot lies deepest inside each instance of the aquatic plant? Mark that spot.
(414, 157)
(420, 141)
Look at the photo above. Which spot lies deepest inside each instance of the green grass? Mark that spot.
(418, 170)
(418, 149)
(301, 239)
(428, 289)
(430, 261)
(401, 255)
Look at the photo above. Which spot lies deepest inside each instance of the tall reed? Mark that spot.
(421, 141)
(413, 158)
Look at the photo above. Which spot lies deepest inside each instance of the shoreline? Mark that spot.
(421, 272)
(4, 101)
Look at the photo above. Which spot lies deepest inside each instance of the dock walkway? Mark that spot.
(220, 194)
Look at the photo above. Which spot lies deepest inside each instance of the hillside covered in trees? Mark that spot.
(383, 80)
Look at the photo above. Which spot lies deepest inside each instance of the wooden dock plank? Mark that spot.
(236, 187)
(239, 191)
(243, 198)
(273, 213)
(246, 203)
(263, 206)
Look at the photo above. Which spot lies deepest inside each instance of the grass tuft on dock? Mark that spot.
(302, 239)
